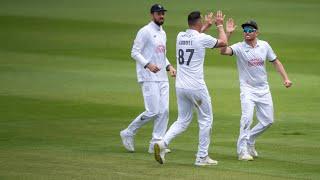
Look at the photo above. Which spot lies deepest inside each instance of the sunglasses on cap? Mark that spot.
(249, 30)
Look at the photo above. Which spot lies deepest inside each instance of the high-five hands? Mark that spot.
(219, 18)
(208, 21)
(230, 26)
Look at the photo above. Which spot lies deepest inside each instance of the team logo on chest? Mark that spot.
(255, 62)
(160, 49)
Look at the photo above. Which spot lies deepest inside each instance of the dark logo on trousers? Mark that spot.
(143, 118)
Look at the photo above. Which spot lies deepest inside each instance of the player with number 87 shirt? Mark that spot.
(190, 85)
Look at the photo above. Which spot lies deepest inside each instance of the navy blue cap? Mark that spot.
(157, 8)
(251, 23)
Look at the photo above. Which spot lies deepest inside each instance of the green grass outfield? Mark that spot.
(68, 86)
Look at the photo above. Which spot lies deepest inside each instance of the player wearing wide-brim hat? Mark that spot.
(149, 52)
(251, 54)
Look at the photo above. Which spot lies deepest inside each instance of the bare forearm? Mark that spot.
(279, 67)
(228, 34)
(222, 35)
(205, 27)
(224, 50)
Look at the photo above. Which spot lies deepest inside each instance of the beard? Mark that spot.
(159, 23)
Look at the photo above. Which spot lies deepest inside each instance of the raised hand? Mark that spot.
(208, 19)
(219, 18)
(230, 26)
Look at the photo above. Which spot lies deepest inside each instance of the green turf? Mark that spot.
(68, 86)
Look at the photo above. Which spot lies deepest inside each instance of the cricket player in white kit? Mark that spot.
(149, 52)
(251, 56)
(191, 89)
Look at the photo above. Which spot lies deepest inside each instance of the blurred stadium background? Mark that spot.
(68, 86)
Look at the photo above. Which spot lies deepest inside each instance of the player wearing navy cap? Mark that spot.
(149, 52)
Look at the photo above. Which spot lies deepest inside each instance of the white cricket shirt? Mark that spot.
(251, 65)
(150, 47)
(190, 53)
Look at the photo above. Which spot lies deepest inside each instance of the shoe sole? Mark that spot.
(206, 164)
(157, 156)
(253, 155)
(166, 151)
(240, 159)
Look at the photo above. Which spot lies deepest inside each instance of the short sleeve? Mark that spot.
(235, 48)
(208, 41)
(271, 56)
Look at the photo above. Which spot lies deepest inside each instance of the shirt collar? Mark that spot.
(248, 46)
(155, 26)
(192, 31)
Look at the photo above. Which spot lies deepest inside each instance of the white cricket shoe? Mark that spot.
(127, 141)
(205, 161)
(245, 156)
(159, 151)
(252, 151)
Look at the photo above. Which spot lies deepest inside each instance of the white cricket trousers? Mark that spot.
(156, 103)
(264, 112)
(187, 101)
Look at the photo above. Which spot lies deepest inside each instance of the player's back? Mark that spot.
(190, 54)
